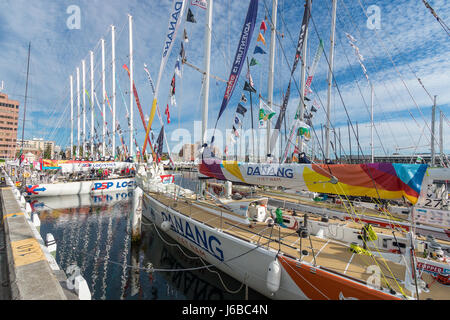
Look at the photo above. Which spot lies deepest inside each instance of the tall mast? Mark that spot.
(113, 53)
(371, 124)
(71, 117)
(130, 20)
(441, 136)
(273, 35)
(78, 113)
(92, 103)
(433, 119)
(302, 105)
(104, 99)
(330, 80)
(84, 107)
(207, 52)
(26, 95)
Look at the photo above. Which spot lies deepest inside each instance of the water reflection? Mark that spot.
(93, 232)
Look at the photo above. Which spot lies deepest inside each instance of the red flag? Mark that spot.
(263, 26)
(167, 113)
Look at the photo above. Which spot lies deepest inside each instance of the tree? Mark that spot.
(48, 152)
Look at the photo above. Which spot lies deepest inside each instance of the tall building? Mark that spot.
(9, 117)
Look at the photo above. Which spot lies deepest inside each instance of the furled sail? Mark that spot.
(377, 180)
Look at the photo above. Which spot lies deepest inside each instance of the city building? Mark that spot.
(9, 117)
(39, 147)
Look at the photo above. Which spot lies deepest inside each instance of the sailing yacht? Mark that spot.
(300, 255)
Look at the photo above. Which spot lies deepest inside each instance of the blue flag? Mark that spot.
(259, 50)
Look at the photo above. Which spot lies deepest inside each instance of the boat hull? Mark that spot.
(249, 262)
(80, 187)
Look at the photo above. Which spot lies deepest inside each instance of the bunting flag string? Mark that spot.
(358, 55)
(300, 43)
(313, 68)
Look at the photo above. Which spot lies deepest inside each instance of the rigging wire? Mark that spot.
(395, 67)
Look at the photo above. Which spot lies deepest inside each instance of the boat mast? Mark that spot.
(207, 61)
(130, 21)
(441, 136)
(104, 99)
(71, 117)
(371, 124)
(92, 103)
(83, 62)
(113, 53)
(330, 80)
(26, 94)
(301, 104)
(433, 120)
(78, 112)
(273, 35)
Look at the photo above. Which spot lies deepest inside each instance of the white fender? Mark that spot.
(50, 243)
(35, 219)
(274, 276)
(82, 288)
(165, 226)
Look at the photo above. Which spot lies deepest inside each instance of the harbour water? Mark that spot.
(93, 233)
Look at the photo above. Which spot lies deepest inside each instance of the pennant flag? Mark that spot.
(304, 131)
(261, 38)
(243, 98)
(190, 17)
(226, 150)
(172, 86)
(241, 53)
(178, 68)
(313, 109)
(249, 78)
(253, 62)
(159, 144)
(185, 37)
(167, 113)
(258, 50)
(263, 27)
(173, 101)
(149, 78)
(265, 114)
(241, 109)
(182, 52)
(200, 3)
(236, 133)
(249, 88)
(231, 139)
(237, 121)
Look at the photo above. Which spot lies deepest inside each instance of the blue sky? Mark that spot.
(410, 44)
